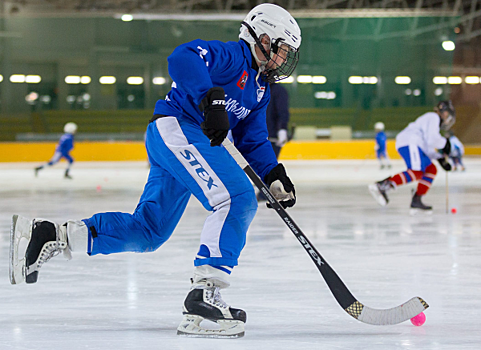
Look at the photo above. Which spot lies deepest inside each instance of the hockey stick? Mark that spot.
(447, 193)
(348, 302)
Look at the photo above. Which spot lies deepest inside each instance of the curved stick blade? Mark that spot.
(382, 317)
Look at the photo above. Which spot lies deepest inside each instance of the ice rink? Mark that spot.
(133, 301)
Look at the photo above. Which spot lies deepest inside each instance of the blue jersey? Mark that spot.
(199, 65)
(65, 145)
(381, 141)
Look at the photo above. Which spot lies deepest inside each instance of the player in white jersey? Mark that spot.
(457, 151)
(418, 144)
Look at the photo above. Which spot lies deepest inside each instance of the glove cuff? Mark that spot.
(214, 97)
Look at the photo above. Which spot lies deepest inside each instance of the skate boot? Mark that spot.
(379, 189)
(67, 176)
(45, 239)
(37, 169)
(205, 302)
(417, 206)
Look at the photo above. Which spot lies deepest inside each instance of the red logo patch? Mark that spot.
(242, 81)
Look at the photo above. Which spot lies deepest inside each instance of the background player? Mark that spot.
(216, 87)
(278, 117)
(418, 144)
(381, 152)
(64, 146)
(457, 151)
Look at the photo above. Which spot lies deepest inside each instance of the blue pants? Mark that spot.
(381, 153)
(59, 155)
(414, 157)
(182, 163)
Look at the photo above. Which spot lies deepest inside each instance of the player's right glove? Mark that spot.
(445, 164)
(216, 124)
(281, 186)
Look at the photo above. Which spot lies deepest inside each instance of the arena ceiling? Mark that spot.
(467, 12)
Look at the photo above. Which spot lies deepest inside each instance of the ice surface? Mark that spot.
(133, 301)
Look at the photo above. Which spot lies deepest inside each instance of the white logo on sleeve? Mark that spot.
(202, 53)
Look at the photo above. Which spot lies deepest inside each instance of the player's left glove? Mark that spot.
(281, 186)
(216, 124)
(281, 138)
(447, 148)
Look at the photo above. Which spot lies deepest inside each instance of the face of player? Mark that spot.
(444, 115)
(277, 59)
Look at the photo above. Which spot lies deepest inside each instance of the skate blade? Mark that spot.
(190, 327)
(377, 195)
(17, 266)
(420, 212)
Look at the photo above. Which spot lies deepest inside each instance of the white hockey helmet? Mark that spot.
(379, 126)
(284, 34)
(70, 128)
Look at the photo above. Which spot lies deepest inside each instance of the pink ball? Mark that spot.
(419, 319)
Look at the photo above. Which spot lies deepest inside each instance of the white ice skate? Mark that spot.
(206, 303)
(379, 191)
(43, 240)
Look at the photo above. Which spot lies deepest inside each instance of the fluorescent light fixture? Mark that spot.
(288, 80)
(1, 78)
(127, 18)
(467, 80)
(85, 79)
(355, 79)
(159, 81)
(45, 99)
(438, 92)
(31, 97)
(369, 80)
(17, 78)
(455, 80)
(33, 79)
(325, 95)
(107, 79)
(417, 92)
(72, 79)
(319, 79)
(440, 80)
(402, 80)
(135, 80)
(304, 79)
(448, 45)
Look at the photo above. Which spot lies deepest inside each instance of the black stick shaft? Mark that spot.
(335, 284)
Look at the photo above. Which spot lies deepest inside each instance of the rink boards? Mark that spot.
(135, 151)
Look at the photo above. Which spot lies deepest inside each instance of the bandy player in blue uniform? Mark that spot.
(380, 148)
(216, 87)
(64, 146)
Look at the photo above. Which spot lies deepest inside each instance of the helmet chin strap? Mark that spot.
(262, 64)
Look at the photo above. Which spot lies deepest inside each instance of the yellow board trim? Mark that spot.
(135, 151)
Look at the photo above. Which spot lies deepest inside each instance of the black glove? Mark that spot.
(216, 124)
(447, 148)
(445, 164)
(281, 186)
